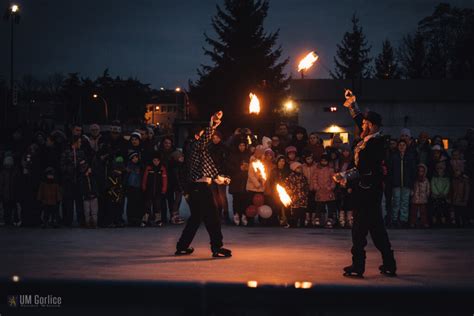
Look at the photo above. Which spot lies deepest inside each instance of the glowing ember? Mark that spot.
(254, 106)
(259, 168)
(284, 197)
(308, 61)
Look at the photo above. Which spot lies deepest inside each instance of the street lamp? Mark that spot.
(106, 106)
(13, 14)
(186, 101)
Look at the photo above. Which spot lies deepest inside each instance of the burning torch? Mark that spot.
(307, 62)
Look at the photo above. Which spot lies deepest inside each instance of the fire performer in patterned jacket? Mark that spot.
(368, 190)
(202, 172)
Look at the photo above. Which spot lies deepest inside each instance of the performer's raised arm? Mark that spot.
(351, 104)
(206, 135)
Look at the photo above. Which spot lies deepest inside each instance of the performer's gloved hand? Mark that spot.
(350, 98)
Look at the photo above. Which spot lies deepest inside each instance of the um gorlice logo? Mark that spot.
(31, 300)
(12, 301)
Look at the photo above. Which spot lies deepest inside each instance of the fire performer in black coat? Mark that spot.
(202, 173)
(368, 189)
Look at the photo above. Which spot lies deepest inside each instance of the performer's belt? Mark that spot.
(204, 180)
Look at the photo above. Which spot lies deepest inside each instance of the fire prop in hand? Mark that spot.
(307, 62)
(259, 168)
(254, 106)
(284, 197)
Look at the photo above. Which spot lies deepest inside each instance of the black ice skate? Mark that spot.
(353, 272)
(388, 270)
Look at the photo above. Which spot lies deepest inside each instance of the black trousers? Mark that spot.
(368, 219)
(72, 197)
(167, 204)
(202, 209)
(239, 202)
(50, 214)
(153, 206)
(135, 206)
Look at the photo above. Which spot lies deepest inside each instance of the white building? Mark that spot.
(436, 106)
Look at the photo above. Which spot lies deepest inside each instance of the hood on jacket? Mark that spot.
(422, 165)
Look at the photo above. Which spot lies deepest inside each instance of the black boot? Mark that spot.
(389, 266)
(221, 253)
(184, 252)
(354, 271)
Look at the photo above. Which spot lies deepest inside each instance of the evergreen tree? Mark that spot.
(352, 60)
(386, 66)
(244, 60)
(412, 55)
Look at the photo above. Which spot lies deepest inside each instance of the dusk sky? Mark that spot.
(160, 42)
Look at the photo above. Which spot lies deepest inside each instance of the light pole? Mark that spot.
(106, 106)
(186, 101)
(13, 14)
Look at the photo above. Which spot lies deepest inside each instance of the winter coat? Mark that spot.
(421, 189)
(10, 184)
(323, 184)
(309, 172)
(220, 156)
(69, 164)
(298, 188)
(134, 175)
(155, 181)
(253, 182)
(423, 152)
(239, 177)
(49, 193)
(440, 187)
(459, 194)
(89, 187)
(402, 170)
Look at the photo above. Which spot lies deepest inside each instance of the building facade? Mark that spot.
(438, 107)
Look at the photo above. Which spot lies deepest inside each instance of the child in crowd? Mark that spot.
(324, 186)
(298, 188)
(256, 180)
(440, 188)
(457, 163)
(154, 185)
(278, 176)
(419, 197)
(133, 188)
(49, 195)
(309, 169)
(115, 194)
(90, 194)
(459, 198)
(291, 154)
(9, 191)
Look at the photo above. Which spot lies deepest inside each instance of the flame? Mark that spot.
(308, 61)
(284, 197)
(254, 106)
(259, 167)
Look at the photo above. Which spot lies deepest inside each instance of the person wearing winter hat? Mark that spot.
(135, 145)
(405, 135)
(154, 186)
(133, 185)
(291, 154)
(298, 189)
(309, 168)
(49, 194)
(90, 195)
(324, 186)
(369, 154)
